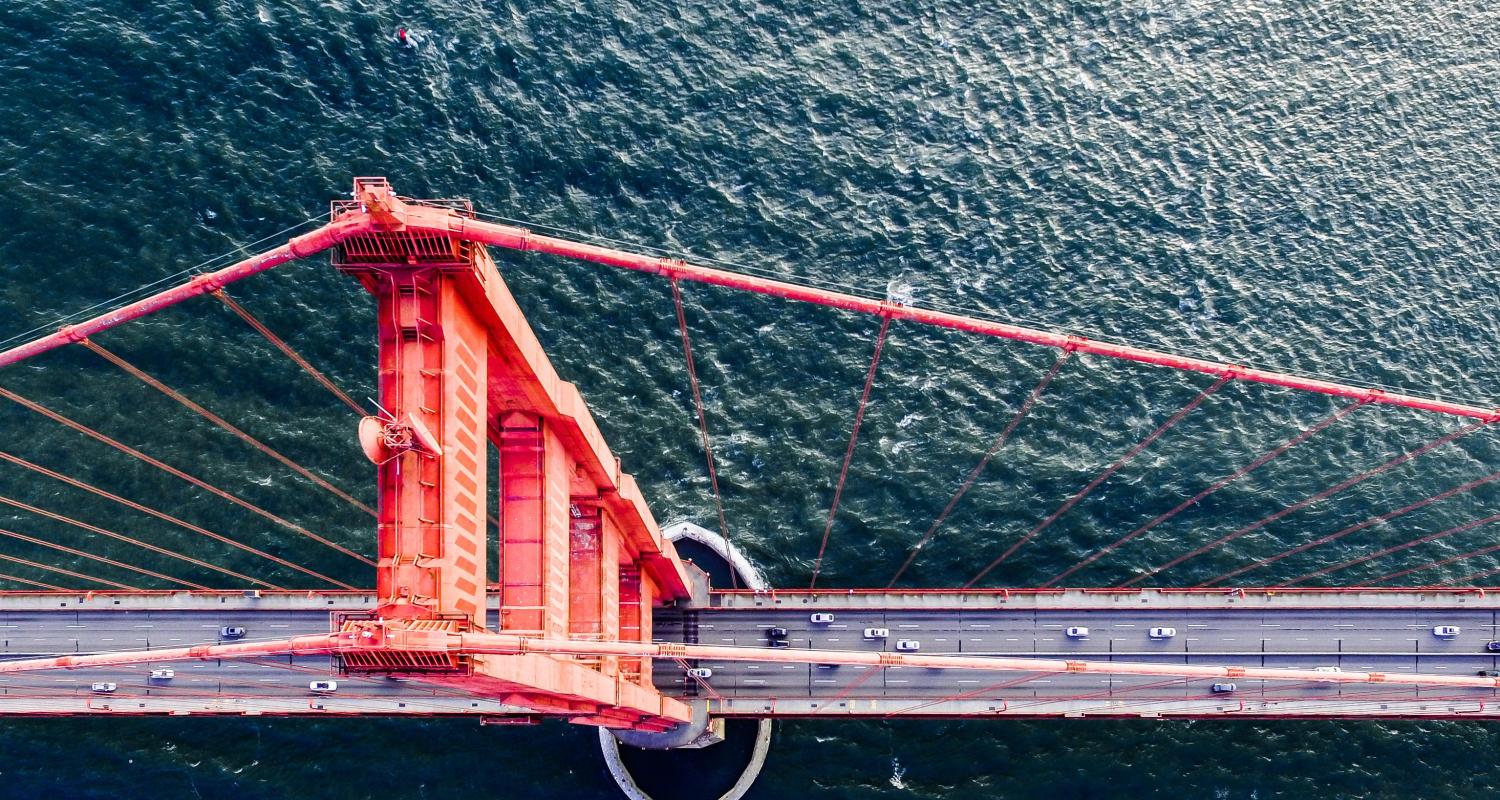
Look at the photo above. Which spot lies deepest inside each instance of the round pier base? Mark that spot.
(722, 771)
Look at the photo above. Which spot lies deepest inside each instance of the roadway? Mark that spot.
(1387, 632)
(1387, 639)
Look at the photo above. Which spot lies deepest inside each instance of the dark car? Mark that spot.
(776, 633)
(1493, 647)
(780, 643)
(1488, 673)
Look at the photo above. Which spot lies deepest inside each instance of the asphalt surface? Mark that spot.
(1390, 639)
(1386, 640)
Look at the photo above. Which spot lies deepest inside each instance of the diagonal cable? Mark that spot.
(140, 375)
(167, 468)
(1316, 498)
(165, 517)
(1259, 462)
(859, 417)
(974, 474)
(280, 344)
(1106, 474)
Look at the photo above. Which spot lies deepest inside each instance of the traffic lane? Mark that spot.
(1113, 630)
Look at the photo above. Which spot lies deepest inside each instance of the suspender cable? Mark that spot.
(136, 454)
(1470, 578)
(281, 345)
(165, 517)
(1442, 562)
(708, 448)
(138, 543)
(1301, 504)
(68, 572)
(1106, 474)
(1431, 537)
(38, 584)
(859, 417)
(81, 554)
(1375, 520)
(220, 421)
(983, 462)
(1259, 462)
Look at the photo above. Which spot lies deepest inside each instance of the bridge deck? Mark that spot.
(1356, 630)
(1382, 630)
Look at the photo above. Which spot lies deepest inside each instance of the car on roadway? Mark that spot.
(1493, 647)
(1445, 631)
(779, 643)
(103, 687)
(828, 666)
(1077, 632)
(1162, 633)
(908, 645)
(1223, 688)
(821, 618)
(776, 633)
(701, 673)
(1328, 669)
(162, 674)
(1488, 673)
(231, 632)
(877, 633)
(323, 687)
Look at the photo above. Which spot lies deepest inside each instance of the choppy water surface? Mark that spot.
(1306, 184)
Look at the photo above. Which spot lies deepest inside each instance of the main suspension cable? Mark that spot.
(68, 572)
(165, 517)
(14, 503)
(280, 344)
(170, 470)
(1316, 498)
(708, 448)
(1431, 537)
(1105, 475)
(137, 373)
(1375, 520)
(81, 554)
(143, 289)
(984, 461)
(859, 417)
(1259, 462)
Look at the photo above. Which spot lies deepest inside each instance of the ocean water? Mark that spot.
(1305, 184)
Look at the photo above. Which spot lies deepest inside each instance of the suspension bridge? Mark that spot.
(590, 613)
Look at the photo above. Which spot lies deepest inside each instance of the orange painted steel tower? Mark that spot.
(580, 555)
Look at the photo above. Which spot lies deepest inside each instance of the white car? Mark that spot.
(323, 687)
(877, 633)
(1223, 688)
(102, 688)
(821, 618)
(1077, 632)
(909, 645)
(163, 674)
(1445, 631)
(1162, 633)
(701, 673)
(1328, 669)
(232, 632)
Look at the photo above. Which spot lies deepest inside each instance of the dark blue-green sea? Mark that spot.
(1311, 185)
